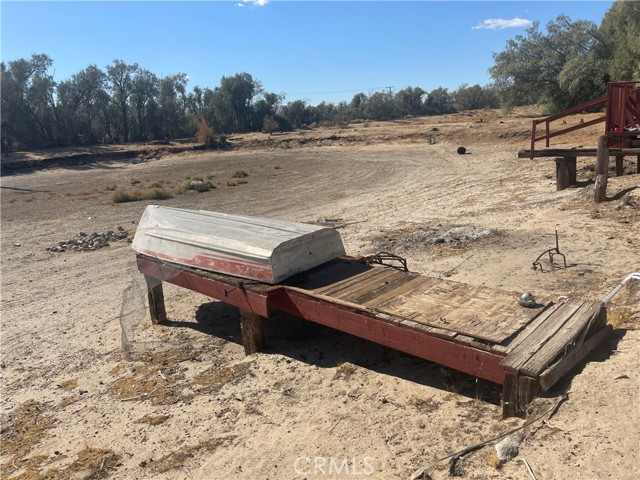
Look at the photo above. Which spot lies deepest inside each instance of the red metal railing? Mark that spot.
(622, 103)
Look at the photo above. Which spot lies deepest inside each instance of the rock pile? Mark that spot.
(84, 242)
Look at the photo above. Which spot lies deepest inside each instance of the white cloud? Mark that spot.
(500, 23)
(253, 3)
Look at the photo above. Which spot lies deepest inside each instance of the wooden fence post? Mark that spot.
(562, 173)
(619, 165)
(252, 332)
(155, 296)
(602, 170)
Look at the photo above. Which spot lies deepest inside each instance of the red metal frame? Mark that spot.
(262, 299)
(622, 102)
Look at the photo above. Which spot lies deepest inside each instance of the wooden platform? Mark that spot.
(477, 330)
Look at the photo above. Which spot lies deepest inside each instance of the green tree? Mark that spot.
(557, 68)
(620, 30)
(233, 102)
(28, 106)
(121, 77)
(439, 101)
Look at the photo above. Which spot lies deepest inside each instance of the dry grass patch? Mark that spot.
(214, 378)
(178, 458)
(424, 405)
(122, 196)
(153, 419)
(21, 430)
(68, 384)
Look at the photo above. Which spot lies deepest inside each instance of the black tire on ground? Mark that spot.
(461, 150)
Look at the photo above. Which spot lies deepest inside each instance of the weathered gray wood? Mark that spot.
(555, 372)
(602, 170)
(619, 165)
(572, 165)
(542, 317)
(517, 393)
(252, 332)
(562, 173)
(155, 296)
(562, 340)
(523, 352)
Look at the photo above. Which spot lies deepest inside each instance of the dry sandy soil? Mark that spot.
(186, 403)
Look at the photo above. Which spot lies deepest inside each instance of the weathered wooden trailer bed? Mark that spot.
(477, 330)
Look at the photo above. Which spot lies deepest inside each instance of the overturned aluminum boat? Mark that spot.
(249, 247)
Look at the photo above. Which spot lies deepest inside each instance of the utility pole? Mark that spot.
(389, 89)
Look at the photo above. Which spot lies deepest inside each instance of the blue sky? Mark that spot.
(307, 50)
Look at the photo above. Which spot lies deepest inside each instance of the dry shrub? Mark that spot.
(424, 405)
(204, 186)
(214, 378)
(239, 174)
(206, 134)
(157, 194)
(177, 458)
(345, 370)
(120, 196)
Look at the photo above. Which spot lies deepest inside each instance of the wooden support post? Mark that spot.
(572, 165)
(638, 164)
(602, 170)
(252, 332)
(562, 173)
(619, 165)
(517, 393)
(156, 300)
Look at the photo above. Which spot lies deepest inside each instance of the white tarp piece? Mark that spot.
(250, 247)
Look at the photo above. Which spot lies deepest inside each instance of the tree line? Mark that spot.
(567, 64)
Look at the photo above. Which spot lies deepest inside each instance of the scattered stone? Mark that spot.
(84, 242)
(17, 244)
(508, 448)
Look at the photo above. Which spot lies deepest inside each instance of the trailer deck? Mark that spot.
(477, 330)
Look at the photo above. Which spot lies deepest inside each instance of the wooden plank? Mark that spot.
(364, 272)
(562, 339)
(521, 336)
(374, 281)
(517, 393)
(619, 165)
(562, 174)
(392, 282)
(328, 274)
(422, 344)
(555, 372)
(578, 152)
(483, 313)
(602, 170)
(252, 332)
(541, 335)
(419, 284)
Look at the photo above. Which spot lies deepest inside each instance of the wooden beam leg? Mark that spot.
(562, 174)
(517, 393)
(602, 170)
(252, 332)
(619, 165)
(638, 164)
(572, 165)
(156, 300)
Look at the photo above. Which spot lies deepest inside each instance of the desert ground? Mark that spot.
(183, 402)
